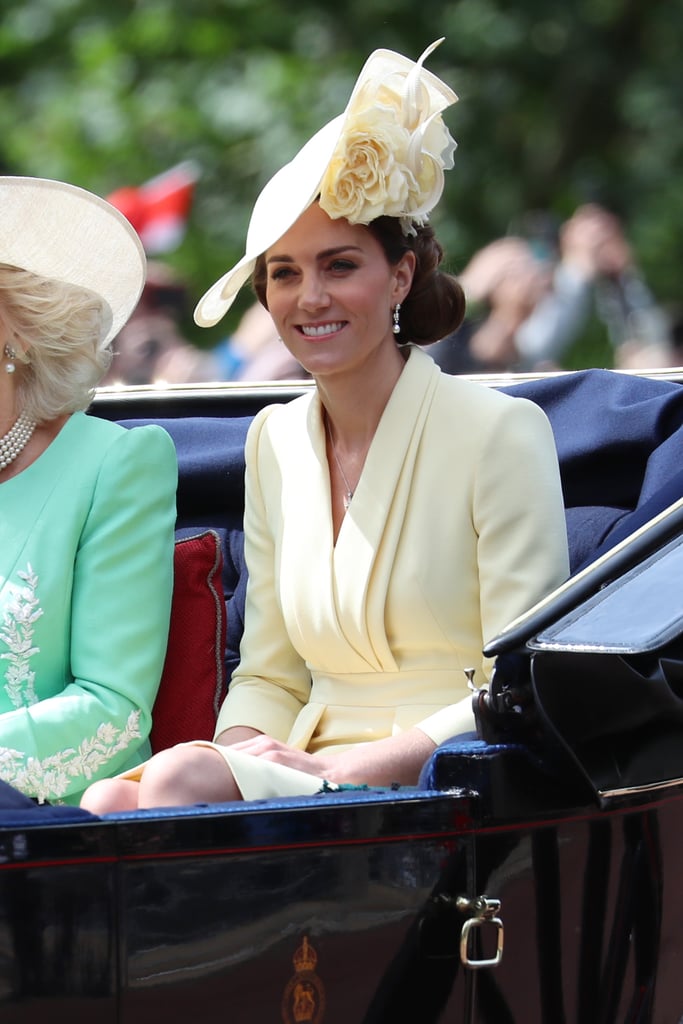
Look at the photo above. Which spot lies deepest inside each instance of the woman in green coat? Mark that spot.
(87, 508)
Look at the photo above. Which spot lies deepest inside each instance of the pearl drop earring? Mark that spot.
(10, 356)
(397, 326)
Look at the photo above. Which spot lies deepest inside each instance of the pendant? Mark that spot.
(347, 500)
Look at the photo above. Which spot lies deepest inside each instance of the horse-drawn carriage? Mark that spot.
(531, 877)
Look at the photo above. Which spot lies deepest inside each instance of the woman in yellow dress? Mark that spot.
(396, 518)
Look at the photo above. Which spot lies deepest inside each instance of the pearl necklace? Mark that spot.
(348, 497)
(15, 440)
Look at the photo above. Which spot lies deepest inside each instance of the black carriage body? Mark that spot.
(178, 917)
(501, 891)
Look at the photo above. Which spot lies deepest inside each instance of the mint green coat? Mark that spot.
(86, 569)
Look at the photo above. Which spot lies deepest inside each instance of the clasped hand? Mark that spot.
(273, 750)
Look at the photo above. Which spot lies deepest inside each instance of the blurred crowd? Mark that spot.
(532, 296)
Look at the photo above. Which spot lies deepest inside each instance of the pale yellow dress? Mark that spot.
(456, 527)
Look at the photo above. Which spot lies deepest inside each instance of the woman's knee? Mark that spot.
(108, 795)
(186, 774)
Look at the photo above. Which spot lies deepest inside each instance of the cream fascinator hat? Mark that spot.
(65, 233)
(384, 156)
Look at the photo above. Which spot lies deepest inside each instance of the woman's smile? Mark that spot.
(322, 330)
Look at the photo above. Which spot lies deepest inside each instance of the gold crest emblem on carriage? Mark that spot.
(303, 1001)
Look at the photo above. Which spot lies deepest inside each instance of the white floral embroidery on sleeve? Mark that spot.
(21, 614)
(49, 778)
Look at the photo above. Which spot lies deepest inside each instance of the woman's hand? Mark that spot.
(269, 749)
(397, 759)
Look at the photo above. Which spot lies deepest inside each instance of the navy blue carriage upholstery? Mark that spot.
(619, 439)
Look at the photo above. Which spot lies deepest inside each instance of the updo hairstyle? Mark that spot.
(435, 304)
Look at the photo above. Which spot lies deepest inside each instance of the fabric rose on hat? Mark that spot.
(391, 154)
(368, 175)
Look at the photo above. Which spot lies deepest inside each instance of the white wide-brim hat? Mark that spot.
(65, 233)
(296, 185)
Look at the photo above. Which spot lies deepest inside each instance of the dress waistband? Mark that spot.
(389, 689)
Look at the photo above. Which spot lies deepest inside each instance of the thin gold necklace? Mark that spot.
(348, 497)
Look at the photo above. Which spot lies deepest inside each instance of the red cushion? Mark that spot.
(193, 681)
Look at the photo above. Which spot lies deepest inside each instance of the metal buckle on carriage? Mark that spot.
(483, 911)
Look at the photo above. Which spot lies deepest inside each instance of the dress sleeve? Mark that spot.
(271, 684)
(518, 515)
(121, 599)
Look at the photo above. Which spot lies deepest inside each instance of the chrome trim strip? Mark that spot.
(649, 787)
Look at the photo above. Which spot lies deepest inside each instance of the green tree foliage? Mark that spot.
(561, 102)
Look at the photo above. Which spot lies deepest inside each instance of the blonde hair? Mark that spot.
(56, 330)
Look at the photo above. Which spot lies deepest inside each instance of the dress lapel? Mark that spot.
(367, 542)
(333, 597)
(307, 548)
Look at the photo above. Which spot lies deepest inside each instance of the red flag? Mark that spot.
(159, 209)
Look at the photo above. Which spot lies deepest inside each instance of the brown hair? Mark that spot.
(435, 305)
